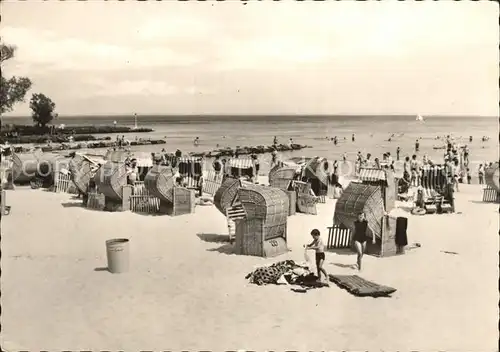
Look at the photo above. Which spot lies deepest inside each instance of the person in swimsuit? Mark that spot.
(319, 247)
(414, 170)
(360, 237)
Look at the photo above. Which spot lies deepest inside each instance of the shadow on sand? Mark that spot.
(213, 237)
(72, 205)
(102, 268)
(341, 251)
(345, 266)
(481, 202)
(225, 249)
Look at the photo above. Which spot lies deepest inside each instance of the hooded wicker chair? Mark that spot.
(263, 230)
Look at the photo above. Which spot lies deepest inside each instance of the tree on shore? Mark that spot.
(42, 109)
(14, 89)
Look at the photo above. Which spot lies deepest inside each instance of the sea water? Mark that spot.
(371, 134)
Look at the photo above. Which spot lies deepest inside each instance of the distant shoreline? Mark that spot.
(15, 119)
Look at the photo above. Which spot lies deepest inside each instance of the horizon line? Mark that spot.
(255, 115)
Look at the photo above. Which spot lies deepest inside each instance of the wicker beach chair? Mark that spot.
(241, 168)
(434, 193)
(491, 193)
(5, 209)
(211, 182)
(234, 213)
(191, 169)
(316, 171)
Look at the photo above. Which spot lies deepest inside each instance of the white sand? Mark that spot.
(185, 293)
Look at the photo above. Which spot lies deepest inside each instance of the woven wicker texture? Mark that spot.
(117, 155)
(357, 198)
(24, 166)
(315, 169)
(226, 194)
(110, 178)
(50, 163)
(267, 203)
(492, 177)
(159, 182)
(281, 177)
(81, 172)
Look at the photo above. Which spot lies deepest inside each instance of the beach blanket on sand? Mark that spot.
(360, 287)
(292, 272)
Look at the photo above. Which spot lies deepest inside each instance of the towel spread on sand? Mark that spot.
(291, 271)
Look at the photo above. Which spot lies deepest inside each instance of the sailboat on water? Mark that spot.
(419, 118)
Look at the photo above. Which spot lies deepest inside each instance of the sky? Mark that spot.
(170, 57)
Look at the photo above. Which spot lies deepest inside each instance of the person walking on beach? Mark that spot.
(455, 167)
(417, 145)
(466, 156)
(469, 177)
(319, 247)
(398, 150)
(353, 138)
(414, 170)
(480, 174)
(344, 157)
(360, 229)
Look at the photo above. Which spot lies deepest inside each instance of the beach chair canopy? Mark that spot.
(160, 182)
(372, 175)
(226, 194)
(82, 170)
(491, 177)
(433, 181)
(317, 168)
(281, 176)
(110, 178)
(357, 198)
(190, 166)
(241, 163)
(267, 203)
(117, 155)
(25, 165)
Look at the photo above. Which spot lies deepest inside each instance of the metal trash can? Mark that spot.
(118, 255)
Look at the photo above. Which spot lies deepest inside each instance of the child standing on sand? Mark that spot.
(319, 247)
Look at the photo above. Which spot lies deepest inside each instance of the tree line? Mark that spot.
(14, 90)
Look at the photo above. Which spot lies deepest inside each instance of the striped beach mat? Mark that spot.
(360, 287)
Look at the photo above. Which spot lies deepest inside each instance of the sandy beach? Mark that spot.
(186, 290)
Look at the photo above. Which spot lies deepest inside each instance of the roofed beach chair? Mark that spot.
(233, 213)
(242, 168)
(191, 169)
(491, 193)
(434, 193)
(5, 209)
(211, 182)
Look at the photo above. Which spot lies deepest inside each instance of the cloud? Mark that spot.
(53, 50)
(144, 88)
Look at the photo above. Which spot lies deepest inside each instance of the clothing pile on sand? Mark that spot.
(286, 272)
